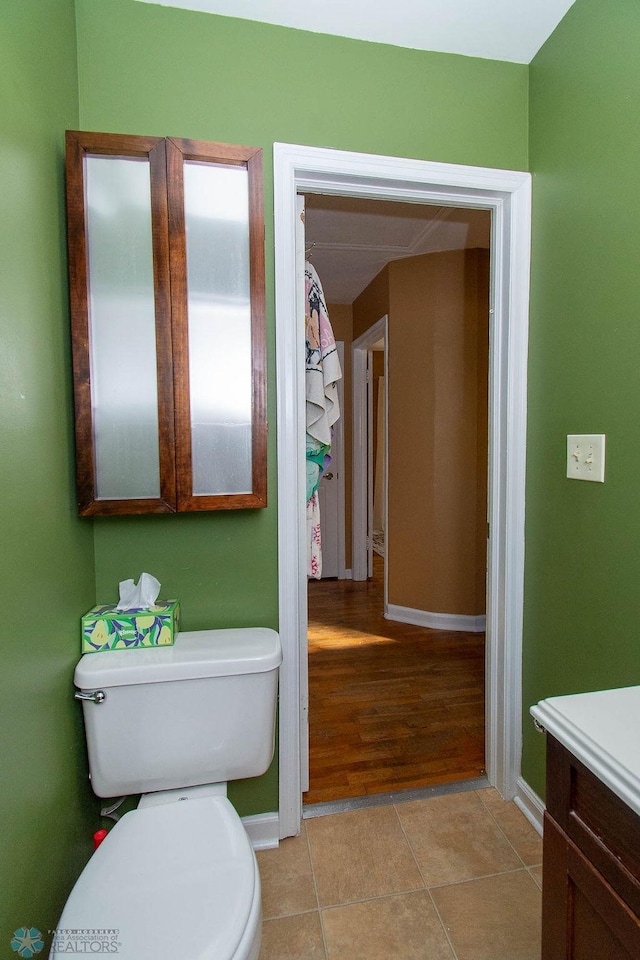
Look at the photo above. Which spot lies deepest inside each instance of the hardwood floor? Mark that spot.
(391, 705)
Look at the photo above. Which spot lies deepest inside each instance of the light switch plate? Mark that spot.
(585, 456)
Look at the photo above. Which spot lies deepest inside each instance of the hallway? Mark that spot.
(392, 706)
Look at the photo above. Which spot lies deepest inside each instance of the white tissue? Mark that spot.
(144, 593)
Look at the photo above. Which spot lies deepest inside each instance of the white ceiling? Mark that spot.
(494, 29)
(350, 240)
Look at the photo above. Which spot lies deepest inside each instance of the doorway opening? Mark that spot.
(506, 194)
(396, 677)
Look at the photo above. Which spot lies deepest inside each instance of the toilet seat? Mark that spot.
(175, 880)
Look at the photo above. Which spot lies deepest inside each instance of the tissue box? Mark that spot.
(105, 628)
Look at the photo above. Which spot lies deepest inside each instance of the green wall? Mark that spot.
(161, 71)
(167, 71)
(582, 596)
(46, 562)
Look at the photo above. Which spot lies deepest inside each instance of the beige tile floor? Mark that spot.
(453, 877)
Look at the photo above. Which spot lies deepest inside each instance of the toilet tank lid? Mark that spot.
(199, 654)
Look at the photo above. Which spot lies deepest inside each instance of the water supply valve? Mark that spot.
(98, 837)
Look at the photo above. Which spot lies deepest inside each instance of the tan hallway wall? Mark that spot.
(438, 359)
(372, 304)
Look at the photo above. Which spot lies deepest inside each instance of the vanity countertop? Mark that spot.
(601, 729)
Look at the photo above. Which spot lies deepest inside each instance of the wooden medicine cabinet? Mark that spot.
(166, 267)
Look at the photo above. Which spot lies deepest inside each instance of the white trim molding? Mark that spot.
(263, 830)
(528, 801)
(360, 467)
(436, 621)
(507, 194)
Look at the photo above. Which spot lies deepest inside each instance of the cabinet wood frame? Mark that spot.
(179, 151)
(591, 866)
(166, 157)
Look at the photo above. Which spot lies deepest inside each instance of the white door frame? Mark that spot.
(360, 461)
(507, 194)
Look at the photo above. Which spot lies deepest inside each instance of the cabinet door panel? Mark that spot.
(122, 328)
(121, 323)
(217, 268)
(600, 824)
(583, 917)
(216, 199)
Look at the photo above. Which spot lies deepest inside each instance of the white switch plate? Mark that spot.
(585, 456)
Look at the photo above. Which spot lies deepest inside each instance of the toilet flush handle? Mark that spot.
(96, 696)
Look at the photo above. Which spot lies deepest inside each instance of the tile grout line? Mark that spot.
(426, 888)
(408, 843)
(315, 888)
(529, 870)
(490, 812)
(443, 924)
(483, 876)
(497, 823)
(380, 896)
(285, 916)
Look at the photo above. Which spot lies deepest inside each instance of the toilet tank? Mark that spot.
(200, 711)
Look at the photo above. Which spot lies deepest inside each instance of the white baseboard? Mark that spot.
(436, 621)
(528, 801)
(263, 830)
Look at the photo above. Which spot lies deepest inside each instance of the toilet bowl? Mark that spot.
(176, 878)
(177, 881)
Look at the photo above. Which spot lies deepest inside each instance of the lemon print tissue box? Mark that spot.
(139, 619)
(106, 628)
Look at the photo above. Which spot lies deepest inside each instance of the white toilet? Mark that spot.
(177, 877)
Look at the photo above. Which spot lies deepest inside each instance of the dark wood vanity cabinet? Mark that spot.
(591, 866)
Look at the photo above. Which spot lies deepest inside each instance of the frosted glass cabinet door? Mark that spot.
(216, 210)
(122, 328)
(166, 264)
(121, 323)
(216, 238)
